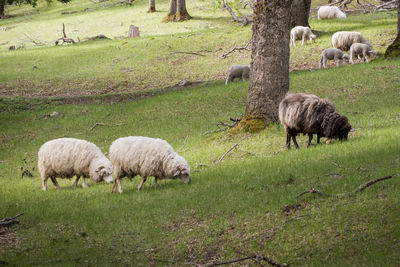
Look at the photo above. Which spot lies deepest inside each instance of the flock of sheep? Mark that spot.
(144, 156)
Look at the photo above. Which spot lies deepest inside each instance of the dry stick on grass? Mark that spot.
(312, 191)
(184, 144)
(102, 124)
(228, 54)
(33, 41)
(190, 53)
(259, 258)
(10, 221)
(244, 20)
(371, 182)
(235, 145)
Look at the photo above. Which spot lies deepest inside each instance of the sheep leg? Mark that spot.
(288, 140)
(44, 183)
(117, 182)
(318, 137)
(310, 137)
(155, 182)
(53, 179)
(84, 185)
(294, 141)
(141, 183)
(302, 40)
(76, 180)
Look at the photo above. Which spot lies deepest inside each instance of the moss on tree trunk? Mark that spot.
(394, 49)
(250, 123)
(177, 11)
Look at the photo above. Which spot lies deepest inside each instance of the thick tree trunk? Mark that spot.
(269, 71)
(394, 49)
(299, 13)
(2, 10)
(152, 6)
(177, 11)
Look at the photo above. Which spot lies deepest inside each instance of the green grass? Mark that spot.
(246, 203)
(149, 62)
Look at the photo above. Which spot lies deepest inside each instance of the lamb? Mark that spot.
(66, 157)
(343, 40)
(301, 32)
(238, 71)
(308, 114)
(358, 49)
(144, 156)
(332, 53)
(330, 12)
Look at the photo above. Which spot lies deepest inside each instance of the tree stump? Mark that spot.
(133, 32)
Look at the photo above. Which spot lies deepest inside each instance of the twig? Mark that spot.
(33, 41)
(229, 150)
(10, 221)
(271, 262)
(371, 182)
(227, 54)
(385, 4)
(229, 262)
(213, 131)
(338, 165)
(244, 19)
(102, 124)
(193, 34)
(190, 53)
(311, 190)
(184, 144)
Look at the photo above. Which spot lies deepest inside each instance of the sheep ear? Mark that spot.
(99, 169)
(177, 173)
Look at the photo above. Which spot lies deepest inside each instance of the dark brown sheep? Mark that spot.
(308, 114)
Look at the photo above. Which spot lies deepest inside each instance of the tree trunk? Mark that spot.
(152, 6)
(269, 71)
(394, 49)
(299, 13)
(2, 10)
(177, 11)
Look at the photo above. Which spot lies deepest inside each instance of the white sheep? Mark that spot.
(358, 49)
(66, 157)
(303, 33)
(343, 40)
(144, 156)
(330, 54)
(238, 71)
(330, 12)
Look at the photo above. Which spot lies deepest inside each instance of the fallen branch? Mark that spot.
(312, 191)
(102, 124)
(33, 41)
(229, 150)
(371, 182)
(10, 221)
(213, 131)
(338, 165)
(259, 258)
(184, 144)
(227, 54)
(244, 19)
(190, 53)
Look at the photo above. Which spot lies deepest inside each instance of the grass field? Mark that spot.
(246, 204)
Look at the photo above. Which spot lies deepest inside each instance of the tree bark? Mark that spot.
(300, 12)
(269, 70)
(152, 6)
(177, 11)
(394, 49)
(2, 10)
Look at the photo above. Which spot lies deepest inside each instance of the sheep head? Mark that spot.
(101, 170)
(340, 128)
(178, 168)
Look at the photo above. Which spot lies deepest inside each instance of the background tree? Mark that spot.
(20, 2)
(269, 75)
(177, 11)
(300, 12)
(152, 6)
(394, 49)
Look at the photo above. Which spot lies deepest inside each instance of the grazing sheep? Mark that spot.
(66, 157)
(332, 53)
(330, 12)
(344, 40)
(303, 33)
(238, 71)
(358, 49)
(308, 114)
(144, 156)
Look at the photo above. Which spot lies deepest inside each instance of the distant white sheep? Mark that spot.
(330, 12)
(343, 40)
(238, 71)
(66, 157)
(330, 54)
(303, 33)
(144, 156)
(359, 50)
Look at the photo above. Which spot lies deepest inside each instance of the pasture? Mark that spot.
(246, 203)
